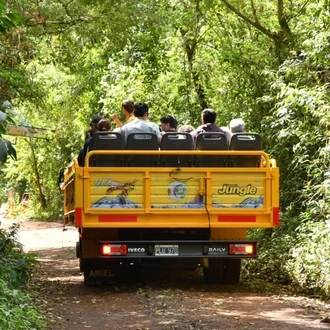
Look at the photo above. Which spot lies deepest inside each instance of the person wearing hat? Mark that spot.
(93, 130)
(93, 124)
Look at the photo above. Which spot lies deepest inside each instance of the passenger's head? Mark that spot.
(237, 125)
(104, 125)
(128, 106)
(93, 124)
(209, 116)
(186, 129)
(140, 109)
(168, 123)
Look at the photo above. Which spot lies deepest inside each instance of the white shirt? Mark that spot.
(139, 126)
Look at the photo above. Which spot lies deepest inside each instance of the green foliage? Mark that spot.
(293, 254)
(74, 59)
(309, 265)
(18, 310)
(274, 252)
(8, 20)
(15, 265)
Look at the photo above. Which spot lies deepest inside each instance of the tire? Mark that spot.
(213, 274)
(232, 271)
(78, 255)
(222, 271)
(78, 250)
(81, 264)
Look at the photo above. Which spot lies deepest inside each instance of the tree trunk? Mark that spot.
(42, 198)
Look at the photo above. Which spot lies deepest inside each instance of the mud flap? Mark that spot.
(98, 277)
(101, 272)
(222, 271)
(96, 272)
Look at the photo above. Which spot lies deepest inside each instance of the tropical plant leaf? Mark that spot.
(3, 30)
(6, 22)
(3, 152)
(15, 18)
(11, 150)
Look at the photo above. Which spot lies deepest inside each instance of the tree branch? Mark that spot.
(255, 24)
(254, 12)
(282, 20)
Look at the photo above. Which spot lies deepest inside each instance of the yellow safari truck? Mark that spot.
(185, 202)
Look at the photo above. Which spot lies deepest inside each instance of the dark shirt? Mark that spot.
(83, 152)
(208, 127)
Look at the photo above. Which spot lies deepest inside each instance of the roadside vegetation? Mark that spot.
(19, 310)
(266, 62)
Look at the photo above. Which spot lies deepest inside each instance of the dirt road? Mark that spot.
(158, 300)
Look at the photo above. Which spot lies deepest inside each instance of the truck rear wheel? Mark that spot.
(222, 271)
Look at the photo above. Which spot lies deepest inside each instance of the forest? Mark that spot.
(63, 61)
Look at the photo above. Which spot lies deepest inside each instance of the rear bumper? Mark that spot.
(177, 249)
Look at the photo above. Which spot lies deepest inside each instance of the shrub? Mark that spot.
(274, 252)
(17, 308)
(15, 265)
(309, 265)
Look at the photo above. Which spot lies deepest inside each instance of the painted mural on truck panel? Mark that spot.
(187, 190)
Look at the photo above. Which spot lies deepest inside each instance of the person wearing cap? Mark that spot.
(140, 124)
(94, 122)
(93, 129)
(127, 107)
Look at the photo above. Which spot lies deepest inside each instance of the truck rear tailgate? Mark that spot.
(177, 197)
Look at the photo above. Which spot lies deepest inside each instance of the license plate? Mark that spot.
(166, 250)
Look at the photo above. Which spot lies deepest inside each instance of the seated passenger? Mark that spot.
(237, 125)
(127, 107)
(208, 123)
(140, 124)
(93, 129)
(168, 124)
(186, 128)
(103, 125)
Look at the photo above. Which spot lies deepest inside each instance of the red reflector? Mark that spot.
(113, 249)
(237, 218)
(276, 216)
(242, 249)
(78, 216)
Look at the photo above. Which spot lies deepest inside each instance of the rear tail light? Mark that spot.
(113, 249)
(246, 249)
